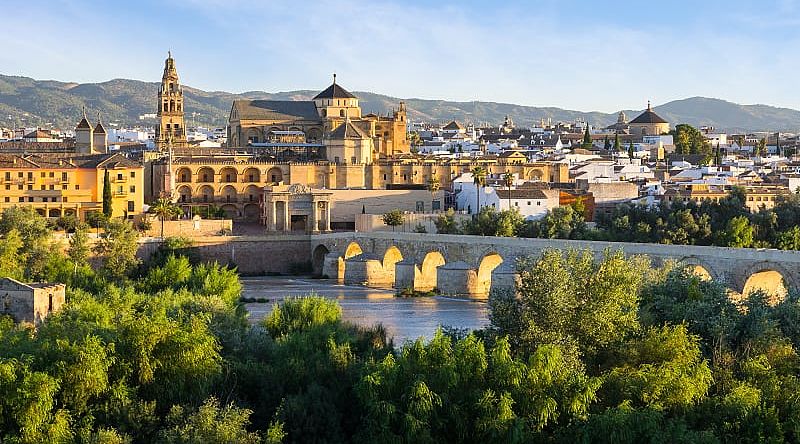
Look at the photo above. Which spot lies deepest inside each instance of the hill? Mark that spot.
(123, 101)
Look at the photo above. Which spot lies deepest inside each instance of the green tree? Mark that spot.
(78, 250)
(559, 223)
(631, 150)
(393, 218)
(210, 424)
(479, 180)
(607, 144)
(118, 247)
(164, 208)
(446, 224)
(587, 138)
(107, 199)
(508, 180)
(738, 233)
(690, 140)
(617, 143)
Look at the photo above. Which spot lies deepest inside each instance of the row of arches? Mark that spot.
(228, 175)
(433, 271)
(226, 194)
(392, 269)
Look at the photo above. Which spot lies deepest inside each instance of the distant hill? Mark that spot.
(122, 101)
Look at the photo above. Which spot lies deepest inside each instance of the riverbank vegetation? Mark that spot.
(611, 350)
(725, 223)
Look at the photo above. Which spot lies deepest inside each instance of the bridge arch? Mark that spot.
(488, 263)
(318, 259)
(426, 279)
(699, 268)
(772, 278)
(353, 249)
(390, 258)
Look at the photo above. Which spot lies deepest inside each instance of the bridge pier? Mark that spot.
(459, 279)
(505, 278)
(362, 269)
(333, 267)
(405, 274)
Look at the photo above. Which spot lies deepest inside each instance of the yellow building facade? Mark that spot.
(58, 185)
(236, 183)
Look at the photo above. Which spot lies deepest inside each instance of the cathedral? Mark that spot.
(332, 119)
(171, 130)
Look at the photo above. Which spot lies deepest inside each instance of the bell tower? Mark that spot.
(171, 128)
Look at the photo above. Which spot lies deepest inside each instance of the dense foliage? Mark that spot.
(609, 350)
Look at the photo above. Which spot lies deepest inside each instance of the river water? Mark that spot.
(404, 318)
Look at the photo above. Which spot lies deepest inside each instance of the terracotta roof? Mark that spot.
(38, 134)
(276, 110)
(648, 117)
(83, 124)
(453, 126)
(334, 92)
(67, 161)
(348, 131)
(520, 194)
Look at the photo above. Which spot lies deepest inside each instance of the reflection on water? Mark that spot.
(404, 318)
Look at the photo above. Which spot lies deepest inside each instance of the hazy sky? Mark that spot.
(585, 55)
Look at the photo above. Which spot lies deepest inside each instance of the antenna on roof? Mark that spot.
(648, 105)
(334, 78)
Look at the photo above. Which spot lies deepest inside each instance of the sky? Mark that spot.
(580, 54)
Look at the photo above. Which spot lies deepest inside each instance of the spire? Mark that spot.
(648, 106)
(334, 78)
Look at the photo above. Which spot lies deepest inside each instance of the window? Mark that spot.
(44, 199)
(529, 203)
(77, 187)
(119, 176)
(64, 199)
(436, 205)
(22, 199)
(133, 188)
(30, 199)
(30, 175)
(49, 303)
(64, 177)
(52, 174)
(19, 187)
(30, 187)
(43, 174)
(8, 175)
(131, 206)
(42, 187)
(420, 206)
(384, 177)
(539, 203)
(353, 160)
(52, 187)
(133, 174)
(119, 189)
(20, 175)
(64, 186)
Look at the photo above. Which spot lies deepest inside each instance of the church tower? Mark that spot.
(170, 109)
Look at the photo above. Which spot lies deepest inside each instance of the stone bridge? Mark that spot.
(473, 265)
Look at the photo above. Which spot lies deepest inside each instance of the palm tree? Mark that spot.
(433, 187)
(508, 178)
(164, 208)
(479, 180)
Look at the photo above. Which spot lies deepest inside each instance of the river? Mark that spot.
(404, 318)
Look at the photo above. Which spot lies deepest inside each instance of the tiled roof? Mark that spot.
(520, 194)
(334, 92)
(348, 131)
(453, 126)
(276, 110)
(67, 161)
(648, 117)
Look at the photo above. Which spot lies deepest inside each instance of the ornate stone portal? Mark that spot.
(296, 208)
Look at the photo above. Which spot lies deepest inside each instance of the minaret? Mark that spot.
(99, 137)
(170, 108)
(84, 139)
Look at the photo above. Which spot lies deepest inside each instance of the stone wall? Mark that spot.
(253, 255)
(189, 228)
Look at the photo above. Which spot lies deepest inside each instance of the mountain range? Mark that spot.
(30, 102)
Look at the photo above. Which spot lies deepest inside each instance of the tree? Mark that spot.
(118, 247)
(607, 144)
(434, 186)
(508, 179)
(446, 224)
(587, 138)
(690, 140)
(738, 233)
(393, 218)
(209, 424)
(107, 199)
(479, 180)
(78, 250)
(559, 223)
(631, 150)
(164, 208)
(617, 143)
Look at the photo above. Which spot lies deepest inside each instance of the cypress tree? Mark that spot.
(607, 144)
(617, 144)
(630, 150)
(107, 210)
(587, 138)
